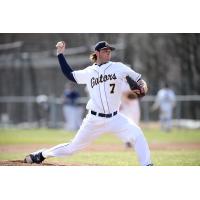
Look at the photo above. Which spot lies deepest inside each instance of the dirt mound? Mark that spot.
(21, 163)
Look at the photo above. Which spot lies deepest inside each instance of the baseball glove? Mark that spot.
(137, 90)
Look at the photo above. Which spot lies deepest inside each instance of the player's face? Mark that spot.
(104, 55)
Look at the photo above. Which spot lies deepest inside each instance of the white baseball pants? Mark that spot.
(94, 126)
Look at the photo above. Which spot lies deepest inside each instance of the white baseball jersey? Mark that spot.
(166, 99)
(104, 84)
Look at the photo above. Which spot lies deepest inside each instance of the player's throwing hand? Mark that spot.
(60, 47)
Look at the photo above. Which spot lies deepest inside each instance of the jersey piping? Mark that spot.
(105, 90)
(100, 92)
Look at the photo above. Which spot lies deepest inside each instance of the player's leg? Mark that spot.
(89, 130)
(85, 135)
(128, 131)
(79, 114)
(73, 118)
(133, 113)
(70, 118)
(65, 115)
(162, 121)
(169, 120)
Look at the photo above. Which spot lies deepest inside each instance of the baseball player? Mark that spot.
(165, 102)
(71, 110)
(104, 81)
(130, 107)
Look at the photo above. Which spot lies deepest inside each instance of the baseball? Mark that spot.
(145, 87)
(60, 44)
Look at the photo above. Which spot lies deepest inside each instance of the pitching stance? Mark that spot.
(104, 82)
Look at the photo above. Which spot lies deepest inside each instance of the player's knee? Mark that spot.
(75, 147)
(138, 133)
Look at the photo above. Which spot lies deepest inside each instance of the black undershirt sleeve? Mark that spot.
(66, 69)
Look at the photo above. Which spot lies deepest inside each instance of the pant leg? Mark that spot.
(169, 123)
(163, 120)
(89, 130)
(126, 130)
(79, 114)
(65, 115)
(166, 120)
(72, 118)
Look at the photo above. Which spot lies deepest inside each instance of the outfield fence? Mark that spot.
(46, 111)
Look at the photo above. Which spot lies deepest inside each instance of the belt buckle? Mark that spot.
(101, 115)
(109, 115)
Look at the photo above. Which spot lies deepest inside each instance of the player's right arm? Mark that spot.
(65, 67)
(78, 76)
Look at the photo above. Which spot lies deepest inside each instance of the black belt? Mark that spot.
(103, 115)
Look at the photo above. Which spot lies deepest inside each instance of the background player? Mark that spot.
(104, 80)
(165, 102)
(71, 109)
(130, 107)
(130, 104)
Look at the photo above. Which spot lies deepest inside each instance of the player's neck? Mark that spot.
(101, 63)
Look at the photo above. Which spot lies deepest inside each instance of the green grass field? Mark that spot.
(177, 148)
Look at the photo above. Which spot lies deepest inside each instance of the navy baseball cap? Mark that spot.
(103, 45)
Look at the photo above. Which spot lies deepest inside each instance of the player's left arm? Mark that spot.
(139, 87)
(136, 83)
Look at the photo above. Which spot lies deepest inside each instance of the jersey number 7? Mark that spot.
(112, 88)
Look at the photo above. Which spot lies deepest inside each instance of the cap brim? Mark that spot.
(111, 48)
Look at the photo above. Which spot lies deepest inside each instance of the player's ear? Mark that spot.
(97, 53)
